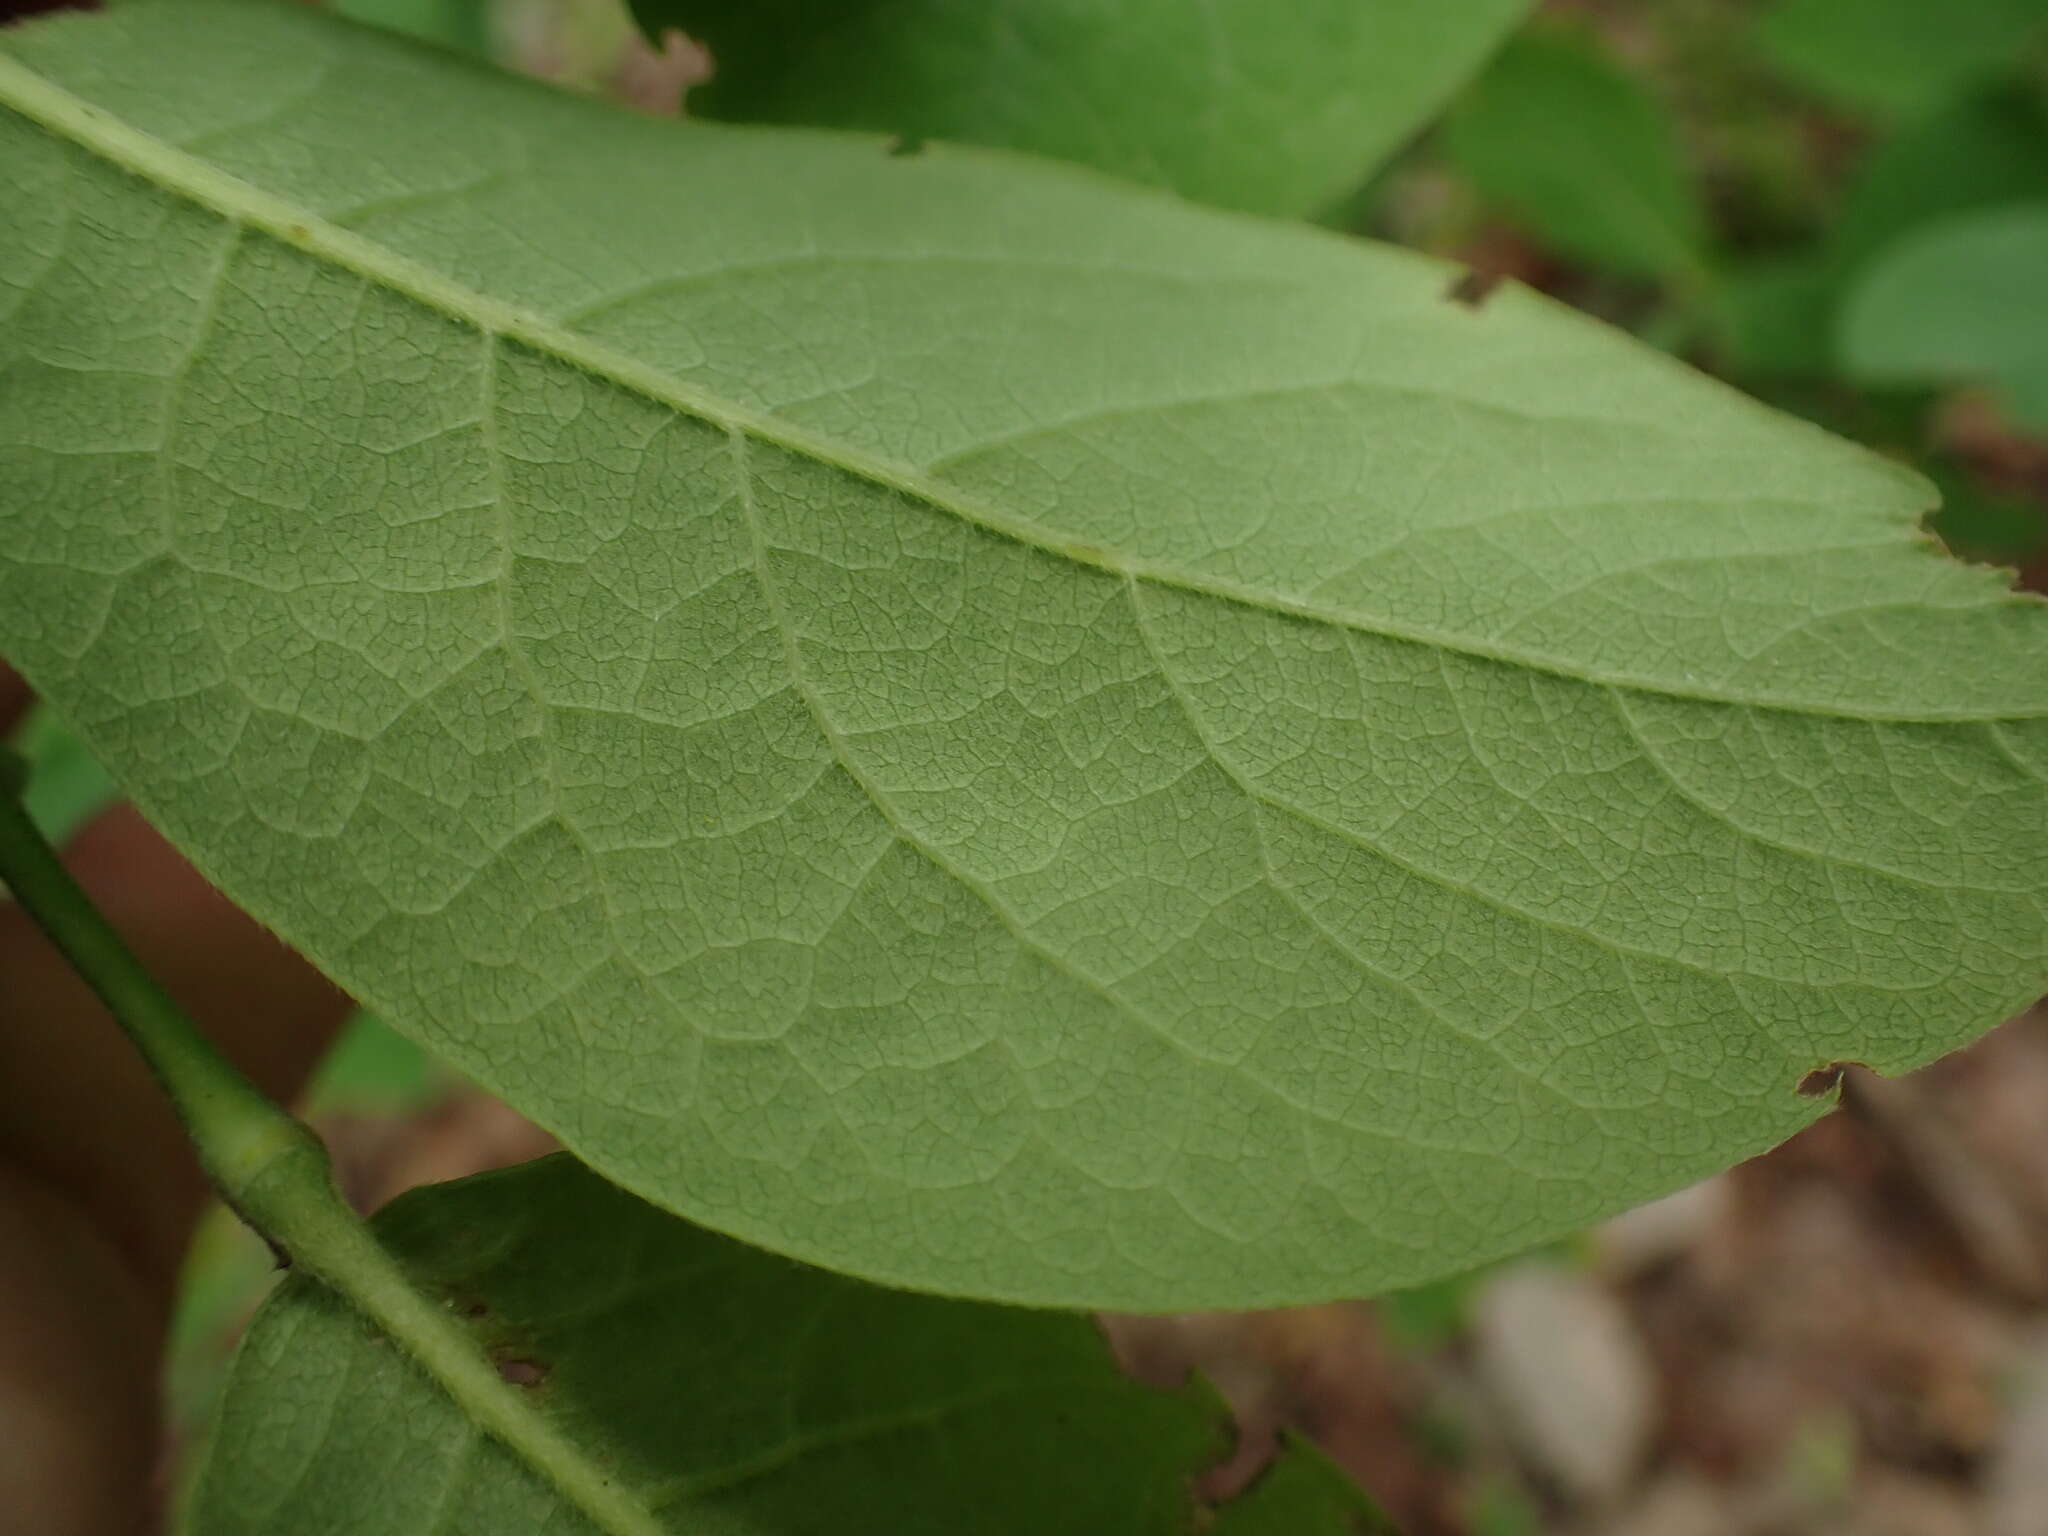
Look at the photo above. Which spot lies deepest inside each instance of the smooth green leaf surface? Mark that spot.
(725, 1391)
(958, 720)
(1959, 299)
(1580, 151)
(1898, 56)
(1273, 108)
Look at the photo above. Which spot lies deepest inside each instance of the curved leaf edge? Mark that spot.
(74, 120)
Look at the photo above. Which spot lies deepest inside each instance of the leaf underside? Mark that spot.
(978, 726)
(1271, 109)
(721, 1390)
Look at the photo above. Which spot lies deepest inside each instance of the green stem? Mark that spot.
(244, 1140)
(274, 1172)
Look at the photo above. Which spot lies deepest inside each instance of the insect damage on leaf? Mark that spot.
(520, 1371)
(1826, 1079)
(1474, 286)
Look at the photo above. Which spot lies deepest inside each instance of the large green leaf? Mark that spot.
(1273, 108)
(1582, 152)
(717, 1391)
(962, 721)
(1958, 299)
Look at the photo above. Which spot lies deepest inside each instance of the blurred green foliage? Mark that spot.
(1957, 298)
(1839, 205)
(1581, 150)
(1898, 57)
(463, 25)
(1499, 1509)
(1428, 1317)
(373, 1069)
(66, 785)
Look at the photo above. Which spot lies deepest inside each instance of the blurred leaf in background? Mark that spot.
(1980, 150)
(1989, 147)
(1898, 57)
(1245, 103)
(1584, 154)
(586, 45)
(66, 785)
(1957, 300)
(1775, 314)
(463, 25)
(1425, 1317)
(372, 1069)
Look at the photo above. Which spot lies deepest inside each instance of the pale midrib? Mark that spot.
(162, 165)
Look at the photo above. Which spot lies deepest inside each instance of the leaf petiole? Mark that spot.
(273, 1171)
(245, 1142)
